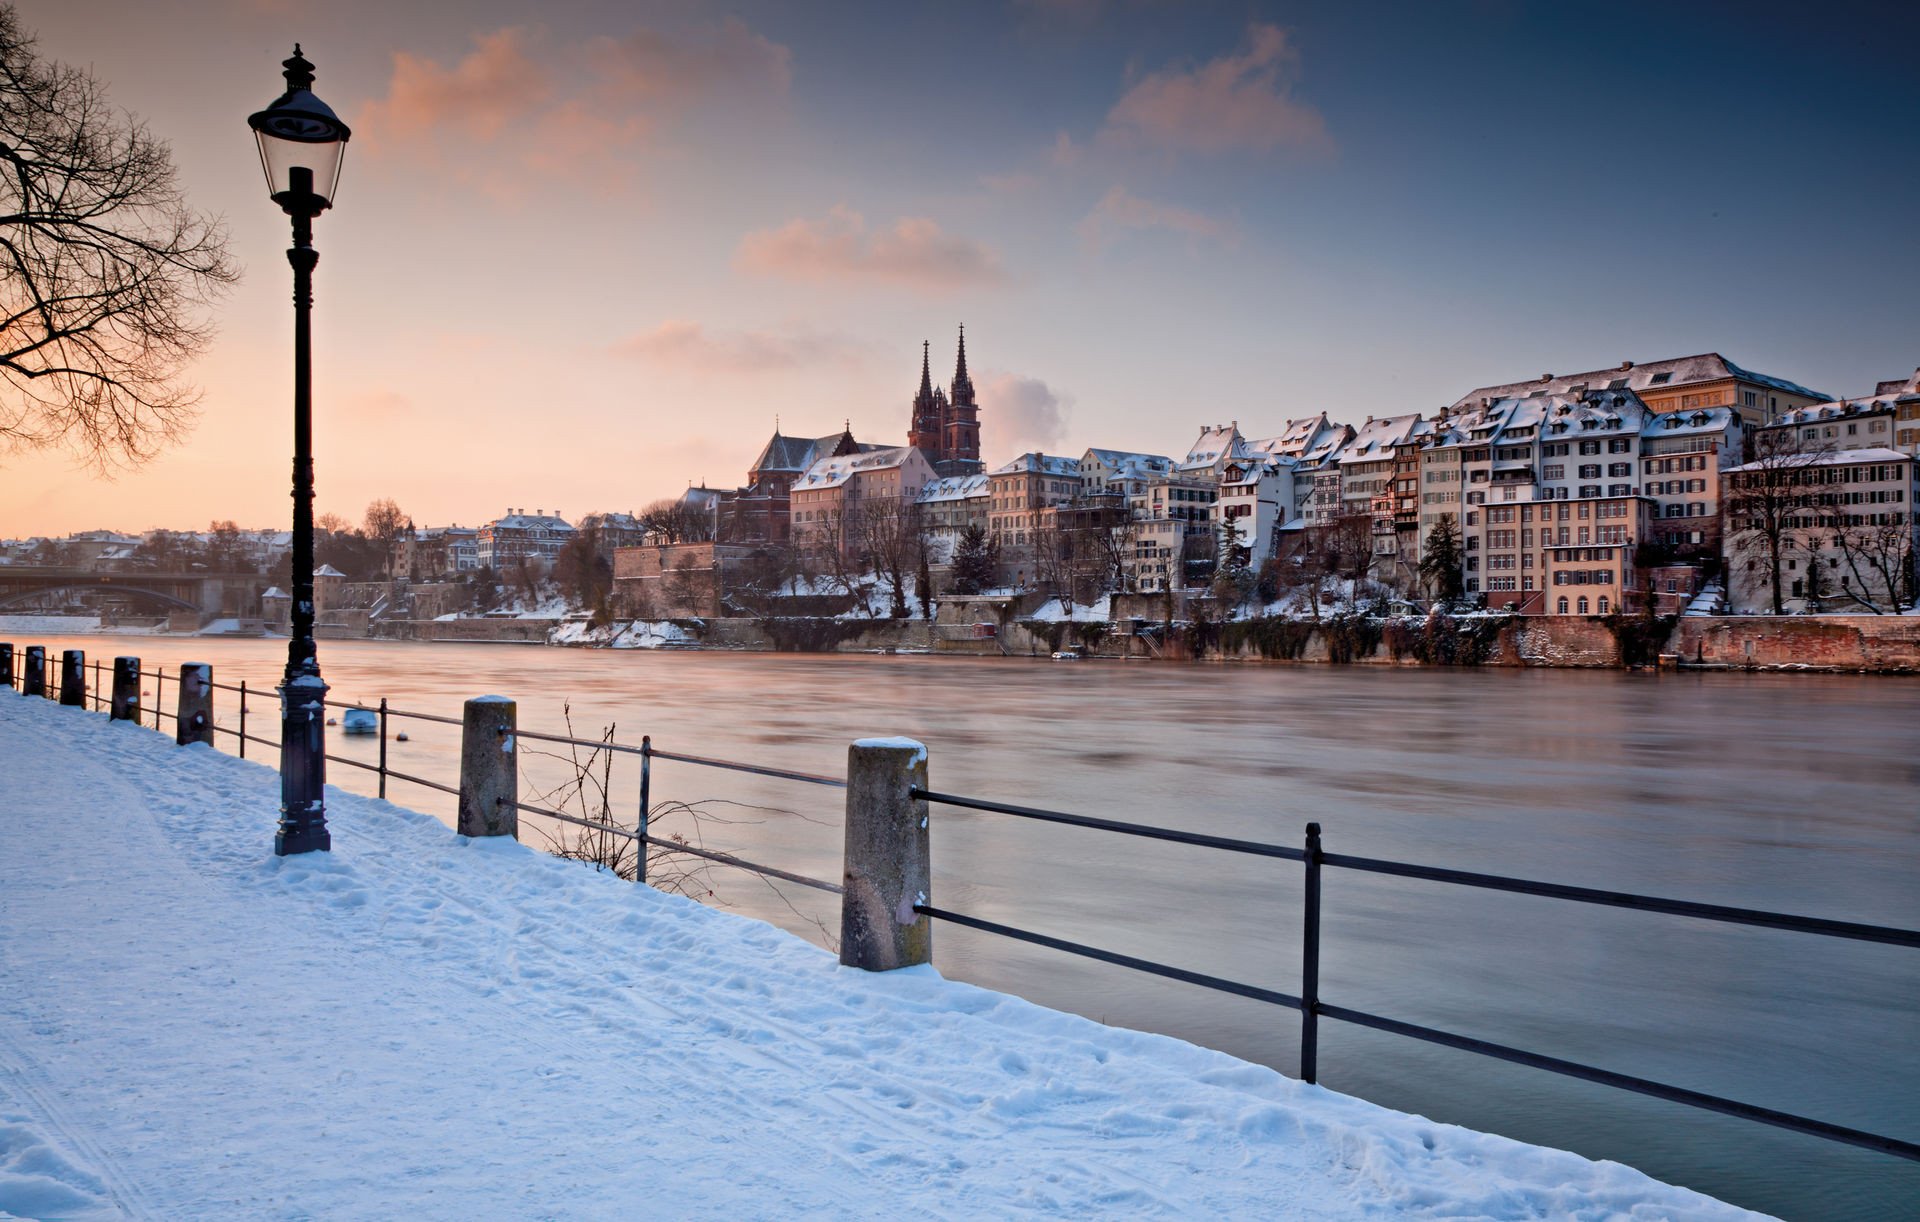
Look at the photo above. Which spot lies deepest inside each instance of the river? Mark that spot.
(1795, 793)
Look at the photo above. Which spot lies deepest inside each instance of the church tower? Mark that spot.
(928, 423)
(946, 426)
(960, 451)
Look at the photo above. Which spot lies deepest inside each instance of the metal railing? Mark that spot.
(1313, 1008)
(640, 834)
(383, 769)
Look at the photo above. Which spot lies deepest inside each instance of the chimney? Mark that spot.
(1625, 365)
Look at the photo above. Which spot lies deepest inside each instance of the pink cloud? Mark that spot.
(685, 345)
(648, 65)
(1238, 101)
(914, 252)
(493, 86)
(1119, 210)
(515, 114)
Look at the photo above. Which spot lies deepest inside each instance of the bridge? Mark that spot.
(42, 587)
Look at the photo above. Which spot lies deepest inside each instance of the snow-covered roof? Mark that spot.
(1827, 458)
(1216, 442)
(1374, 441)
(834, 471)
(1034, 462)
(1899, 386)
(1885, 397)
(1128, 462)
(1655, 375)
(327, 570)
(1692, 421)
(518, 520)
(1253, 472)
(954, 488)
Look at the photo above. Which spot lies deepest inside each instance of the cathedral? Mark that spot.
(947, 428)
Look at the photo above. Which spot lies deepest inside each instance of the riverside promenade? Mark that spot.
(420, 1025)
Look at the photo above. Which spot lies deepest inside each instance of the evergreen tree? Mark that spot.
(974, 560)
(923, 584)
(1440, 562)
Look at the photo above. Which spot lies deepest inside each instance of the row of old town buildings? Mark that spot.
(1686, 483)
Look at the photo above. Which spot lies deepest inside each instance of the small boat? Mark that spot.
(1065, 655)
(360, 721)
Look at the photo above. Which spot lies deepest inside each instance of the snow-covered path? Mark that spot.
(417, 1025)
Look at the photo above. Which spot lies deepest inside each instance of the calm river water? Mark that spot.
(1793, 793)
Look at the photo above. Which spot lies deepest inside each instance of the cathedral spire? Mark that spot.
(926, 372)
(962, 384)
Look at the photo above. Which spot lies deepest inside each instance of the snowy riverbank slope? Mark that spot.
(421, 1026)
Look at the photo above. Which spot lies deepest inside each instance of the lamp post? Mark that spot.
(301, 143)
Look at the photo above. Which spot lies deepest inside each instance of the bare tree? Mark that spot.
(385, 523)
(677, 521)
(1769, 500)
(105, 272)
(1876, 551)
(892, 535)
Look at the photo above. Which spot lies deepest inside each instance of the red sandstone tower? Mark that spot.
(946, 428)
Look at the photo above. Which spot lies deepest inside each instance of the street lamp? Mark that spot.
(301, 142)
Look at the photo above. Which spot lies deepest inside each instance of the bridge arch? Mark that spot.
(17, 597)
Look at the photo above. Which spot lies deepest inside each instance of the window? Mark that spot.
(1583, 604)
(1562, 604)
(1603, 604)
(1589, 447)
(1553, 471)
(1620, 445)
(1590, 470)
(1620, 468)
(1660, 379)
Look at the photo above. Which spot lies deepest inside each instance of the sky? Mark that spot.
(584, 253)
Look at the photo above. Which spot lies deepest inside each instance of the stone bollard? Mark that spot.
(33, 676)
(73, 677)
(126, 690)
(489, 769)
(6, 663)
(195, 721)
(888, 865)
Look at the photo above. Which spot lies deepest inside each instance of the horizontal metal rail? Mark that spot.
(1622, 899)
(598, 744)
(601, 744)
(676, 846)
(1217, 983)
(445, 721)
(416, 780)
(1642, 1086)
(783, 774)
(1255, 847)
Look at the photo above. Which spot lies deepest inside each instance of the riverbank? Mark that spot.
(380, 1031)
(1833, 644)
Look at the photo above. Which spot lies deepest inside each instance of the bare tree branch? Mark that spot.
(105, 271)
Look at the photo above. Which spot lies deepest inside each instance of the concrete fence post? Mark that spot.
(489, 768)
(73, 677)
(195, 721)
(33, 676)
(126, 690)
(888, 863)
(6, 663)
